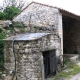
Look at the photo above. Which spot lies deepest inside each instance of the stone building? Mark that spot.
(55, 31)
(38, 17)
(44, 18)
(32, 55)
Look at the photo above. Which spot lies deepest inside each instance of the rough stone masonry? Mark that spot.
(28, 50)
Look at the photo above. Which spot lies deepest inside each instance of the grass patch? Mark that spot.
(71, 70)
(76, 70)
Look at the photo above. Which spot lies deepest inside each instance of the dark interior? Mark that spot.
(71, 35)
(49, 59)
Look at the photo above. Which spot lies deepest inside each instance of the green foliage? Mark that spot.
(2, 16)
(71, 69)
(20, 26)
(1, 30)
(66, 60)
(1, 52)
(11, 11)
(10, 30)
(2, 35)
(22, 29)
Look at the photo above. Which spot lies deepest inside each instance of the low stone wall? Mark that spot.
(29, 58)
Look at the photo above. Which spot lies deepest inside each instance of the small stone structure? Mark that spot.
(28, 49)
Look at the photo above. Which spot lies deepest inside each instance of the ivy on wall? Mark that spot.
(2, 36)
(7, 31)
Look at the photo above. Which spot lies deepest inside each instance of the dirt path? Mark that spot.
(76, 77)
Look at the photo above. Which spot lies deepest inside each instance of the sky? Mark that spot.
(69, 5)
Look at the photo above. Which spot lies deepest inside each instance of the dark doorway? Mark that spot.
(49, 63)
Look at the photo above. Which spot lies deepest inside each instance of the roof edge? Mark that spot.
(63, 11)
(69, 14)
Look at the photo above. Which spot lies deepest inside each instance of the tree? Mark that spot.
(17, 3)
(11, 11)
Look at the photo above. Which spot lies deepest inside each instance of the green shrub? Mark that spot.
(66, 60)
(1, 52)
(11, 11)
(1, 30)
(2, 16)
(10, 29)
(22, 29)
(2, 36)
(18, 24)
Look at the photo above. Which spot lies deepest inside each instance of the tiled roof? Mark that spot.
(64, 12)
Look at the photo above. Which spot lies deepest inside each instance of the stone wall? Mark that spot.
(41, 18)
(38, 15)
(29, 59)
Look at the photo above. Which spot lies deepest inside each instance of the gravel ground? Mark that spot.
(76, 77)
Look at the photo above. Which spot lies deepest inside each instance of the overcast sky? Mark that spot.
(70, 5)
